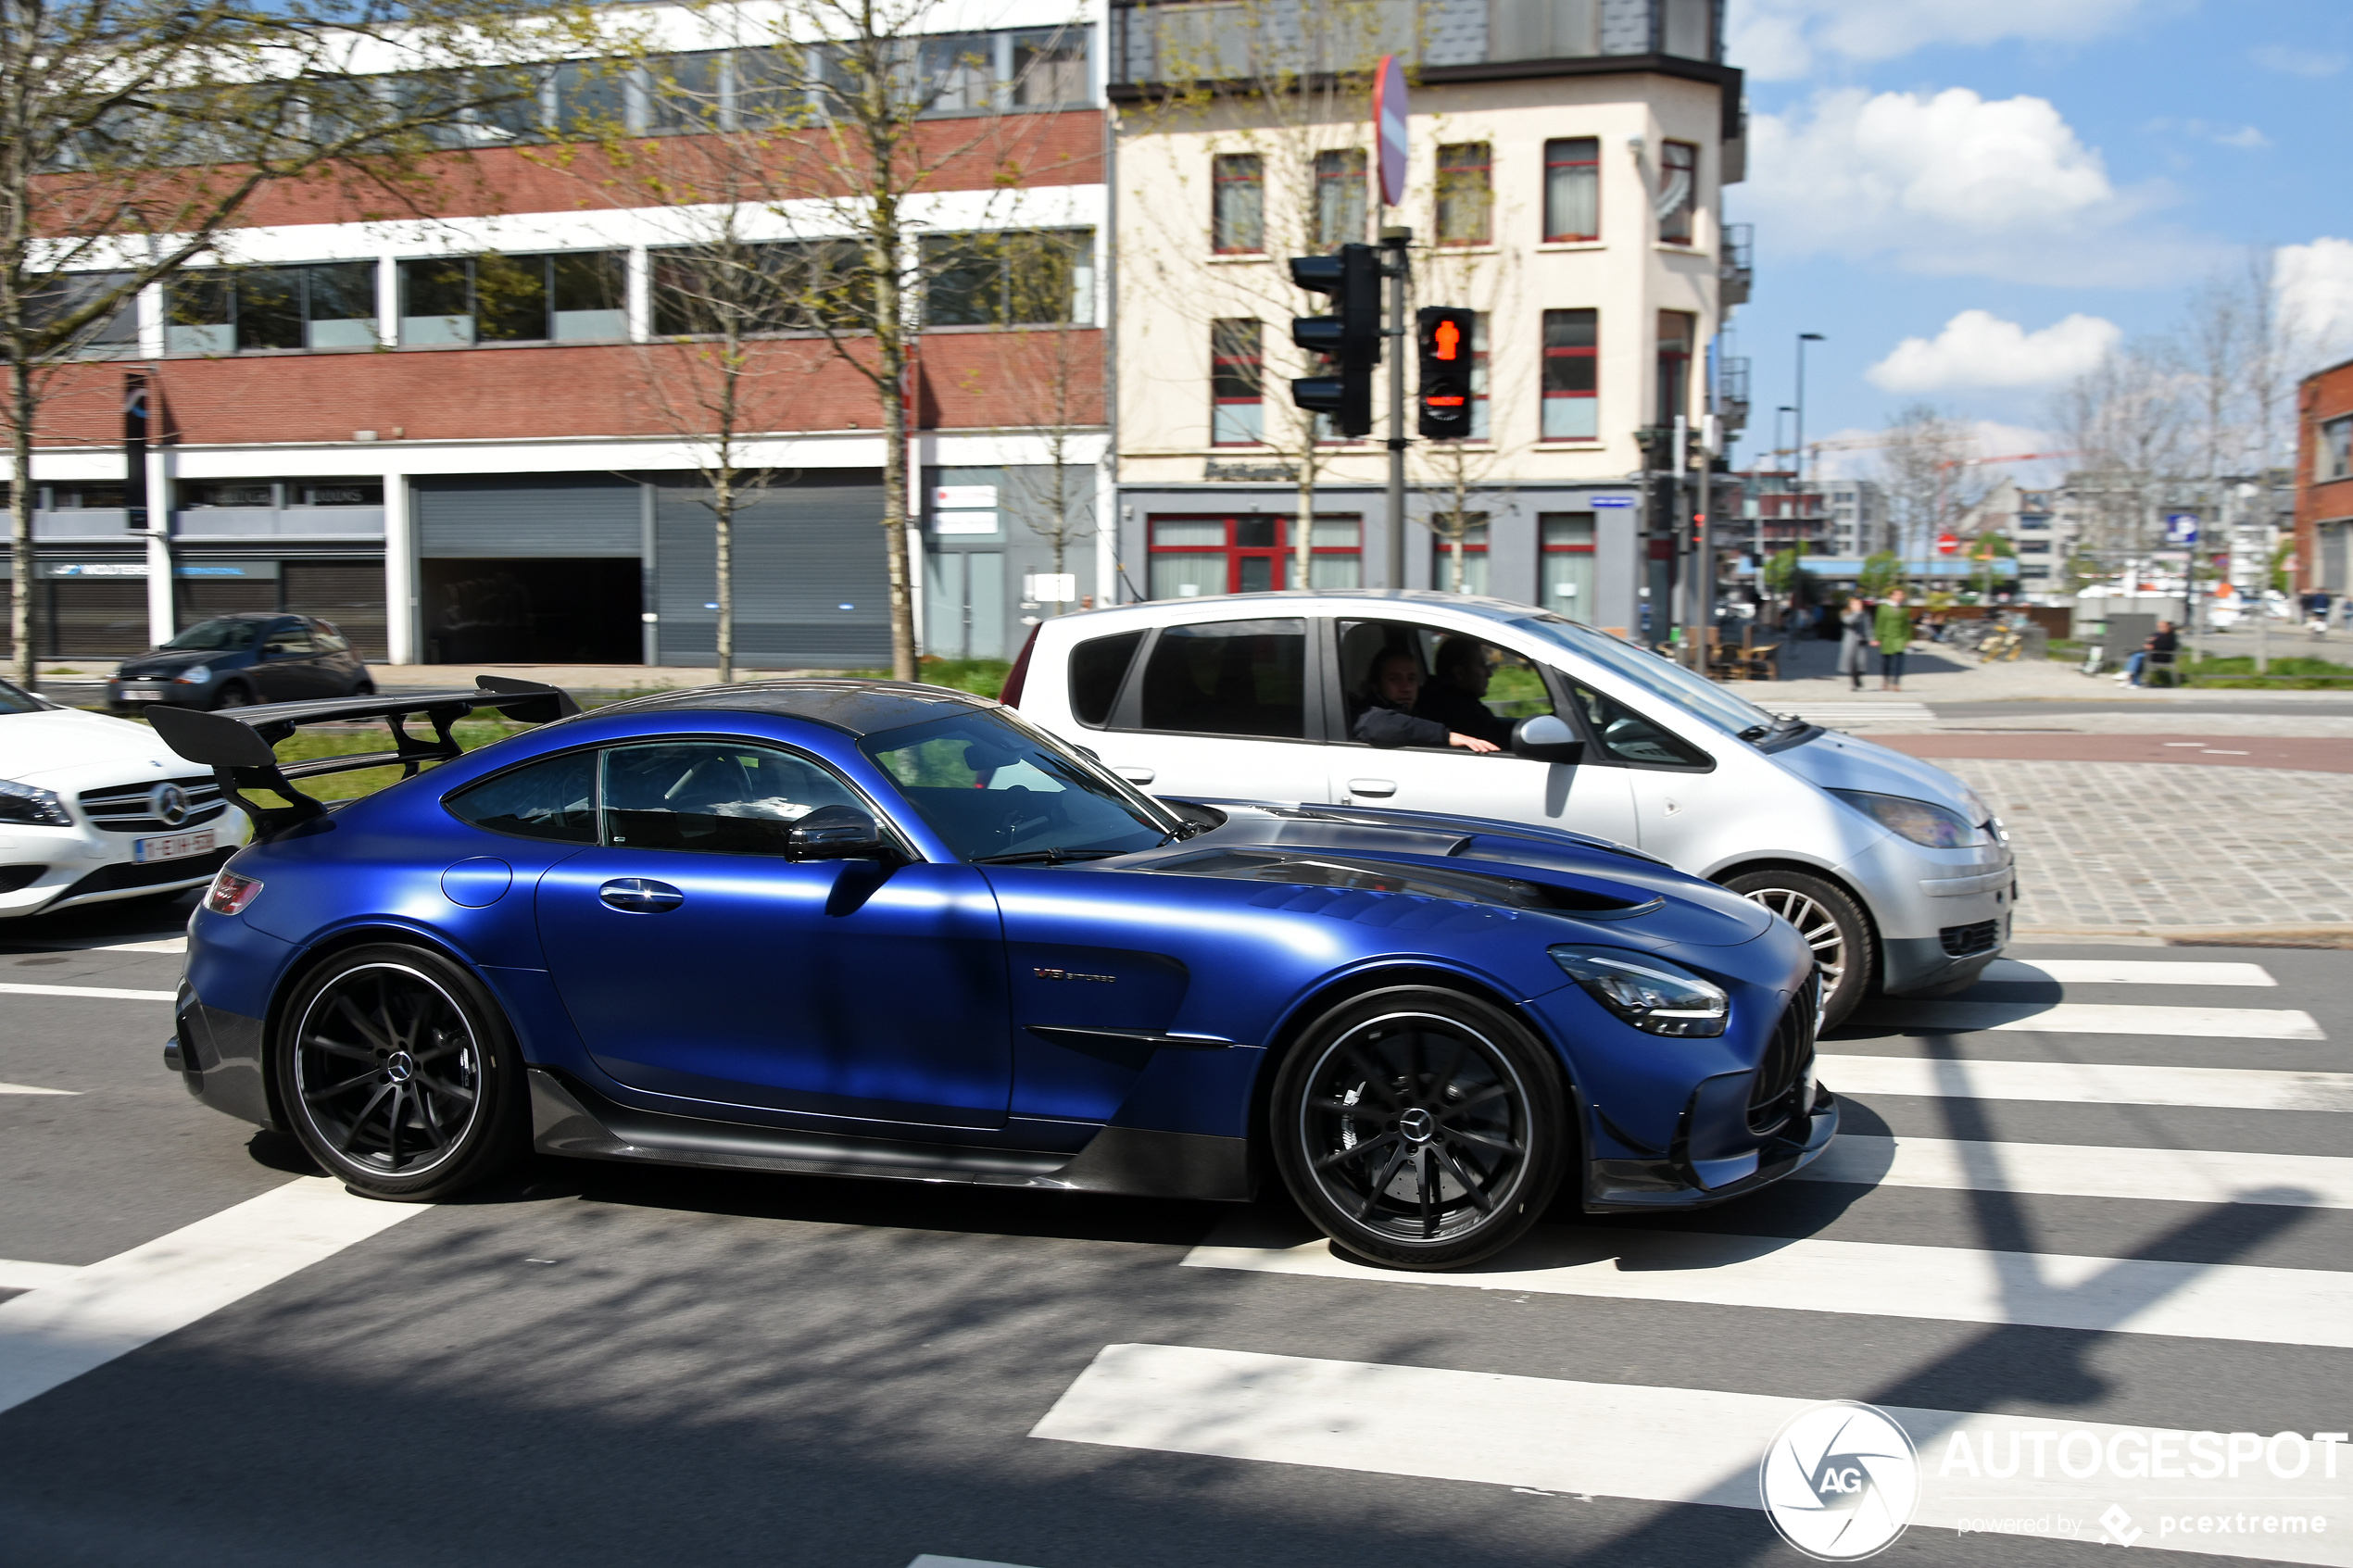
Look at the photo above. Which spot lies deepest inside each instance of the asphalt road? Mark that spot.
(2052, 1208)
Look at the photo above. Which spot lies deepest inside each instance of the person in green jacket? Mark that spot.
(1892, 634)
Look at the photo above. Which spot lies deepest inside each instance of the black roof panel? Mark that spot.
(859, 708)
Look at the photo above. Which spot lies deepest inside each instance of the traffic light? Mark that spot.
(1445, 334)
(1349, 338)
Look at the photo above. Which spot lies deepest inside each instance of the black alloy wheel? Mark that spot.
(235, 694)
(399, 1074)
(1421, 1128)
(1832, 925)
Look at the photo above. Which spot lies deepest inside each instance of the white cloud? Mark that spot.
(1777, 40)
(2296, 62)
(1978, 348)
(2315, 287)
(2247, 138)
(1947, 181)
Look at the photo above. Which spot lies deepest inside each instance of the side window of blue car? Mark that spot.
(555, 799)
(722, 797)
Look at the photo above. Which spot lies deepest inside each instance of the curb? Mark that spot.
(2328, 935)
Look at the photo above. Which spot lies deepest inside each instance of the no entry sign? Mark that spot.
(1388, 115)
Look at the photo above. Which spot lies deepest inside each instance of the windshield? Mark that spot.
(1658, 676)
(215, 637)
(995, 789)
(15, 699)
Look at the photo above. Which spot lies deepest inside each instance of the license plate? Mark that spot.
(179, 845)
(143, 694)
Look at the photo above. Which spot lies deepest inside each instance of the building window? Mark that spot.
(1442, 554)
(2334, 457)
(65, 293)
(1339, 198)
(1678, 191)
(1192, 556)
(1564, 562)
(1573, 188)
(1016, 278)
(1237, 416)
(1237, 204)
(1466, 194)
(233, 310)
(1050, 68)
(1571, 408)
(773, 286)
(1479, 429)
(568, 297)
(1674, 366)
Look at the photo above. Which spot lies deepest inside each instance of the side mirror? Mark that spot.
(836, 833)
(1547, 738)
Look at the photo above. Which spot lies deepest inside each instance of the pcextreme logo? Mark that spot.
(1840, 1482)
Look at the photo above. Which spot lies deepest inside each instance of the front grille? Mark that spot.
(161, 873)
(1778, 1095)
(130, 807)
(1964, 941)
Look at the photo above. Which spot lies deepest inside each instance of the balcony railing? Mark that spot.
(1207, 41)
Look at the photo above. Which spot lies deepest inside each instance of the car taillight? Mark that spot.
(229, 892)
(1018, 677)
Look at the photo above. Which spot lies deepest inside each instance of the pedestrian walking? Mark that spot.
(1892, 634)
(1854, 641)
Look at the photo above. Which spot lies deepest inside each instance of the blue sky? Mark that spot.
(2017, 183)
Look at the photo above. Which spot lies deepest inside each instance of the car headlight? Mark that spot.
(1648, 992)
(194, 675)
(1939, 827)
(35, 808)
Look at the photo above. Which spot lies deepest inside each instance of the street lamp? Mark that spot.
(1803, 339)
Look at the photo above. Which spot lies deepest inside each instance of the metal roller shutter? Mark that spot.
(505, 515)
(349, 593)
(812, 584)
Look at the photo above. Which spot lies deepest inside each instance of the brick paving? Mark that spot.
(2123, 845)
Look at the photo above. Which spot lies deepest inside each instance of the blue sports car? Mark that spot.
(865, 928)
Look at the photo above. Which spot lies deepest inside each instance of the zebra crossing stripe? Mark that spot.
(2179, 1175)
(1672, 1445)
(2096, 1017)
(108, 993)
(16, 1274)
(2224, 1088)
(1876, 1279)
(2126, 972)
(29, 1089)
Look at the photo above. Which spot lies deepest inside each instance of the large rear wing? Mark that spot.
(240, 744)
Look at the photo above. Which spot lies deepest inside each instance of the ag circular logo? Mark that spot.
(1840, 1482)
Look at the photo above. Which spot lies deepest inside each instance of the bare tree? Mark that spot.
(2127, 418)
(1051, 369)
(1925, 464)
(1281, 94)
(135, 134)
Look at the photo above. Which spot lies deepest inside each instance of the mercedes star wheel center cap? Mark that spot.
(1418, 1126)
(399, 1067)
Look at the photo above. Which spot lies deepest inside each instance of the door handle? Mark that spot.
(1377, 788)
(1135, 775)
(639, 896)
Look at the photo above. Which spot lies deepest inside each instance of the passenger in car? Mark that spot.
(1388, 718)
(1453, 697)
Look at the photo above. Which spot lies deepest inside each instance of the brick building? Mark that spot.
(349, 418)
(2325, 481)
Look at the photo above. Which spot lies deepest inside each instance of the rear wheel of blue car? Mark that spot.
(399, 1074)
(1421, 1128)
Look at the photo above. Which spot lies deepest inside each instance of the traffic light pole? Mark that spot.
(1394, 241)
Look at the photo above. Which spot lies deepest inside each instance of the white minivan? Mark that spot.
(1892, 869)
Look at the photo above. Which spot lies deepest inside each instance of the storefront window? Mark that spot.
(1196, 555)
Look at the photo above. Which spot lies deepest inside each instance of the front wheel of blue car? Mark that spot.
(1421, 1128)
(399, 1073)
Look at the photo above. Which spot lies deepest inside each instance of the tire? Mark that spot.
(399, 1074)
(1420, 1128)
(1832, 925)
(236, 693)
(365, 689)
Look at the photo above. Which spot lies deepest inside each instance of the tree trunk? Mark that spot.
(724, 529)
(1303, 522)
(20, 405)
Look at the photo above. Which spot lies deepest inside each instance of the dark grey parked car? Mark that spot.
(237, 661)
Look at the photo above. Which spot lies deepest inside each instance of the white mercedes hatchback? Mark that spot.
(94, 809)
(1892, 868)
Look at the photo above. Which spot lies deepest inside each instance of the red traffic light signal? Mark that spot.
(1447, 339)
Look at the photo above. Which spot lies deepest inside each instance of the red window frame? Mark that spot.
(1675, 228)
(1236, 171)
(1569, 364)
(1255, 538)
(1457, 162)
(1237, 374)
(1557, 155)
(1675, 328)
